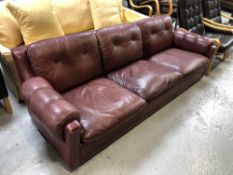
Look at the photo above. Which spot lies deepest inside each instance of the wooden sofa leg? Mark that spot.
(225, 55)
(209, 67)
(7, 105)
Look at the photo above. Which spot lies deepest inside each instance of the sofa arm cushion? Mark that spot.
(186, 40)
(50, 108)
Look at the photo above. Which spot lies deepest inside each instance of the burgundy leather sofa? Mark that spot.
(85, 90)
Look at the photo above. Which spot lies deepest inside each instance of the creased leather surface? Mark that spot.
(102, 105)
(180, 60)
(145, 78)
(193, 42)
(72, 60)
(120, 45)
(106, 109)
(49, 106)
(157, 34)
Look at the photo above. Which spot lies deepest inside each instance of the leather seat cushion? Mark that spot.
(146, 78)
(182, 61)
(102, 105)
(225, 39)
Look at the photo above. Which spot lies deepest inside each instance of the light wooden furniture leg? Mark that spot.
(7, 105)
(209, 67)
(225, 55)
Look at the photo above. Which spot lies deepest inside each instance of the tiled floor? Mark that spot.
(193, 135)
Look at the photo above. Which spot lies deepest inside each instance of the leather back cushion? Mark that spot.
(157, 34)
(190, 15)
(212, 10)
(66, 61)
(120, 45)
(192, 42)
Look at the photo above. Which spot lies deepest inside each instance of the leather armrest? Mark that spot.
(132, 16)
(48, 106)
(186, 40)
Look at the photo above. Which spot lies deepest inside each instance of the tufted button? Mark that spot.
(116, 42)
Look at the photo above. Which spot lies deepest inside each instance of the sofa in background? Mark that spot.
(85, 90)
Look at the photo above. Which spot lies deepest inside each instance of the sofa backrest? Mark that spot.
(72, 60)
(66, 61)
(157, 34)
(120, 45)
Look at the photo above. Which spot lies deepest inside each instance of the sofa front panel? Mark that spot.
(157, 34)
(66, 61)
(120, 45)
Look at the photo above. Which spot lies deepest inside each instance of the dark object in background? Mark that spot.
(4, 94)
(146, 7)
(213, 15)
(164, 7)
(3, 90)
(227, 5)
(190, 17)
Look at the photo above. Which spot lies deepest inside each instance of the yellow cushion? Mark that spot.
(36, 19)
(73, 15)
(132, 16)
(105, 13)
(121, 8)
(10, 35)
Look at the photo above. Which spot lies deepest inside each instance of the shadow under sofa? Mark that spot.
(85, 90)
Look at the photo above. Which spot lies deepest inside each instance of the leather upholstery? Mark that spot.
(227, 4)
(102, 105)
(157, 34)
(211, 9)
(114, 41)
(66, 58)
(226, 40)
(23, 66)
(95, 110)
(190, 15)
(146, 79)
(182, 61)
(50, 107)
(194, 43)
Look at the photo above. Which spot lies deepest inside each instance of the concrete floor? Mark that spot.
(192, 135)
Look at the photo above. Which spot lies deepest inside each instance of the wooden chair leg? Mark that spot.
(7, 105)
